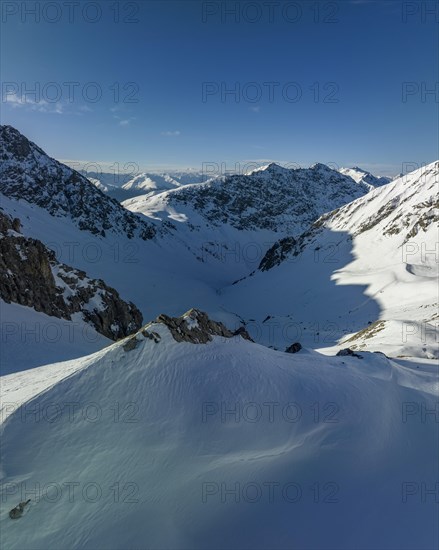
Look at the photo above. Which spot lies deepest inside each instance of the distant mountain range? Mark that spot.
(126, 186)
(266, 247)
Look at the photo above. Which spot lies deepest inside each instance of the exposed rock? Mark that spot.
(131, 344)
(347, 351)
(151, 335)
(30, 275)
(17, 512)
(290, 247)
(241, 331)
(278, 252)
(196, 327)
(27, 173)
(294, 348)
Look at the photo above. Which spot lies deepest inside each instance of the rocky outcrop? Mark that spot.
(278, 252)
(347, 352)
(27, 173)
(196, 327)
(30, 275)
(294, 348)
(288, 247)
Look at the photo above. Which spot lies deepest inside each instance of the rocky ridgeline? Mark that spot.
(194, 327)
(27, 173)
(30, 275)
(406, 207)
(272, 198)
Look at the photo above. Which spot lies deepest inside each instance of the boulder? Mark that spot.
(294, 348)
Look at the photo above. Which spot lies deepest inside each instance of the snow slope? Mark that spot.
(233, 220)
(150, 457)
(365, 177)
(375, 259)
(30, 339)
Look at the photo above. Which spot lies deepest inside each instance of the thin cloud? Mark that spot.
(171, 134)
(125, 121)
(42, 106)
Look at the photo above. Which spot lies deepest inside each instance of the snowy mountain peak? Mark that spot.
(320, 167)
(271, 168)
(363, 176)
(28, 173)
(273, 198)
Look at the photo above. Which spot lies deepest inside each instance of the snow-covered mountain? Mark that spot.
(126, 186)
(189, 433)
(31, 276)
(273, 198)
(365, 273)
(161, 443)
(27, 173)
(210, 235)
(228, 215)
(365, 177)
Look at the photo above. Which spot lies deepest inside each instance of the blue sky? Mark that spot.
(337, 72)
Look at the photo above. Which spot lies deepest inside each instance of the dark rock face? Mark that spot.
(243, 333)
(27, 173)
(294, 348)
(278, 253)
(196, 327)
(30, 275)
(289, 247)
(348, 352)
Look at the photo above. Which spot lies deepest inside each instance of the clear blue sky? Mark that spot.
(360, 53)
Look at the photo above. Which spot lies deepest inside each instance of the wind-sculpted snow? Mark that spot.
(224, 444)
(27, 173)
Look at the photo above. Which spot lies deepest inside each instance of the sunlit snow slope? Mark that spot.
(321, 452)
(369, 266)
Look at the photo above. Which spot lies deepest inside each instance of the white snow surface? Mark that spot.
(139, 449)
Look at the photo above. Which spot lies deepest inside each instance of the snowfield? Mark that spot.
(188, 434)
(221, 445)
